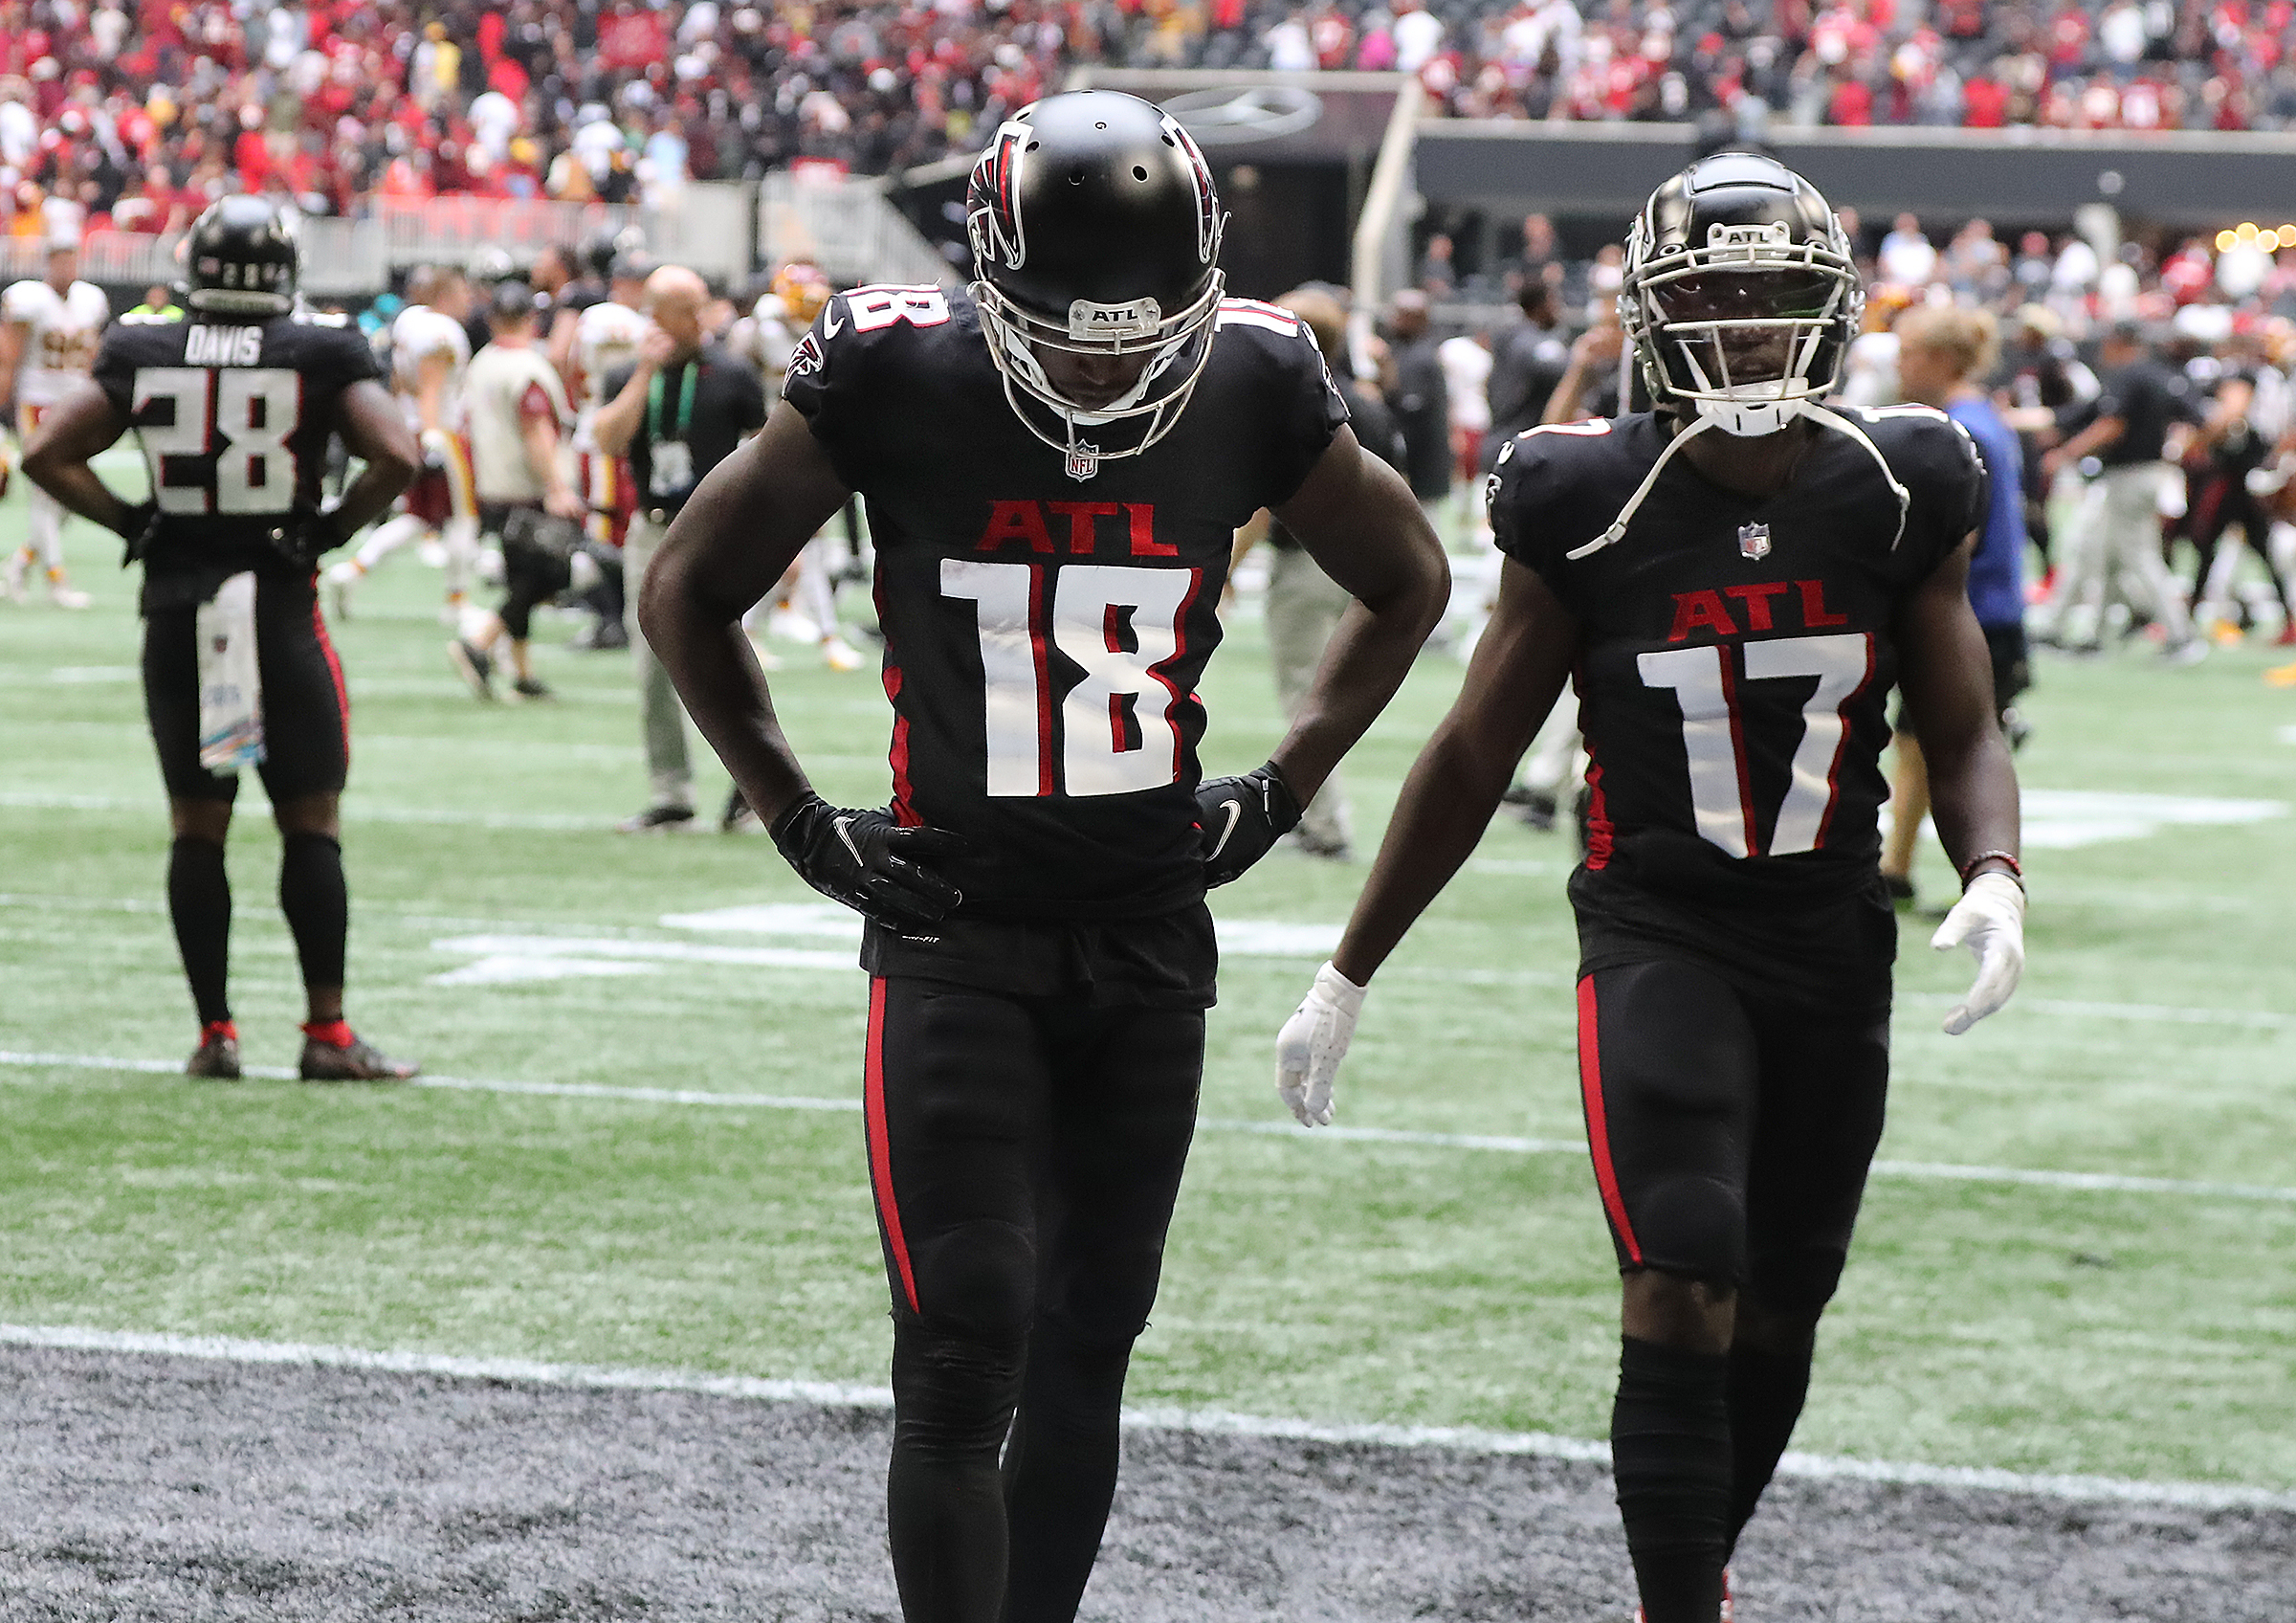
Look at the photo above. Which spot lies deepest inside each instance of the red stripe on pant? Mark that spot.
(1597, 1128)
(343, 692)
(880, 1152)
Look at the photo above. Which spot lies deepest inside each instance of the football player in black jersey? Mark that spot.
(234, 405)
(1055, 464)
(1734, 582)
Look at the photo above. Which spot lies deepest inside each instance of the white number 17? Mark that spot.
(1714, 733)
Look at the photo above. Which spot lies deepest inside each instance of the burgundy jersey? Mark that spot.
(1043, 633)
(1734, 656)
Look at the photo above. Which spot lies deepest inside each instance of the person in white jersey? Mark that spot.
(49, 330)
(607, 336)
(430, 359)
(518, 420)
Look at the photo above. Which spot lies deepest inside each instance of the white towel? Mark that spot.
(230, 682)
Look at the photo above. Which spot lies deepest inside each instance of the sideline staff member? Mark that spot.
(676, 413)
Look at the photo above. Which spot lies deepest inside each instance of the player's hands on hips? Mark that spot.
(867, 861)
(1312, 1042)
(1990, 921)
(1241, 818)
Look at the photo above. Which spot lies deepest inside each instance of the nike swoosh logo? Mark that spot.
(1235, 811)
(845, 834)
(829, 323)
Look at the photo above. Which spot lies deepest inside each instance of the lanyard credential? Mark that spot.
(685, 403)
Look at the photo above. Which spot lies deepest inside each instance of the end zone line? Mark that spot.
(2110, 1183)
(1212, 1422)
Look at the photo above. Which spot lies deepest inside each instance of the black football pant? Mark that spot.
(1025, 1155)
(1730, 1138)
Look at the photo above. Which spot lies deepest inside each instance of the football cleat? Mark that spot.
(216, 1059)
(349, 1061)
(2190, 652)
(531, 688)
(473, 666)
(840, 655)
(738, 818)
(656, 820)
(68, 597)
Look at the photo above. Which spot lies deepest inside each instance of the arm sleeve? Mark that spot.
(1307, 412)
(827, 380)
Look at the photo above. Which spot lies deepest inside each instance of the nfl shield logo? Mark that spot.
(1754, 541)
(1084, 460)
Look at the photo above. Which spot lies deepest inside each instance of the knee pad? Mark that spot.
(953, 1395)
(1693, 1226)
(976, 1280)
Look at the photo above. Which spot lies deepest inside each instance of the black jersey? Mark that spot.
(1044, 635)
(234, 416)
(1735, 655)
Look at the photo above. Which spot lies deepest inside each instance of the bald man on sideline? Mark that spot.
(675, 413)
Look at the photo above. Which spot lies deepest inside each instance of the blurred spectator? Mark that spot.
(1421, 404)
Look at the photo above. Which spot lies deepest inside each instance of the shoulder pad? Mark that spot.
(1251, 312)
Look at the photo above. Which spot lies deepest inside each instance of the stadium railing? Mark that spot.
(845, 225)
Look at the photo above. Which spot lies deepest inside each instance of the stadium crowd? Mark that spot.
(140, 114)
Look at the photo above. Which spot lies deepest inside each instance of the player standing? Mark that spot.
(235, 406)
(1734, 580)
(429, 361)
(49, 330)
(1055, 463)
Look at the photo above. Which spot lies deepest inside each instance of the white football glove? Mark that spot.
(1990, 921)
(1312, 1042)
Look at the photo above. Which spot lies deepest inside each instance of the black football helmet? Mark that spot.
(1095, 232)
(240, 258)
(1740, 294)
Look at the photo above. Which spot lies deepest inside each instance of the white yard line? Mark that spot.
(1461, 1439)
(1933, 1171)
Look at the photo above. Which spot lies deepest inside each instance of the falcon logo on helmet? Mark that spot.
(1096, 234)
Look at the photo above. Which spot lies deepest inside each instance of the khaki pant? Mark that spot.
(669, 764)
(1304, 605)
(2114, 548)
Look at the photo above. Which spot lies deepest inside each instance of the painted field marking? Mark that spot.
(1203, 1422)
(2108, 1183)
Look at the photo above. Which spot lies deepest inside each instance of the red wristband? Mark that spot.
(2016, 872)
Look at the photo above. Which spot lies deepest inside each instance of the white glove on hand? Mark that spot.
(1312, 1042)
(1990, 921)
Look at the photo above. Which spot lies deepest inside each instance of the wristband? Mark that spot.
(2016, 872)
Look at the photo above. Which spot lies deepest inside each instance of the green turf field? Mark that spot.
(2128, 1331)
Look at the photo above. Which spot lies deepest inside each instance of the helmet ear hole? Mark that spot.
(1139, 171)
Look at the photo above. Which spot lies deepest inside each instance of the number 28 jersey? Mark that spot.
(1043, 633)
(1734, 656)
(233, 416)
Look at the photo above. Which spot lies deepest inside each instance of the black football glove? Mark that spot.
(307, 535)
(865, 860)
(1241, 818)
(139, 530)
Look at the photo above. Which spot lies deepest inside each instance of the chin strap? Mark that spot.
(1617, 525)
(1842, 425)
(1811, 409)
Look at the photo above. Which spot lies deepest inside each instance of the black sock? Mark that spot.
(1060, 1472)
(951, 1406)
(1669, 1440)
(1766, 1393)
(199, 901)
(317, 903)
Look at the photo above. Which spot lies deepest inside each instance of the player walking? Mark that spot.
(1734, 580)
(1054, 465)
(235, 406)
(49, 330)
(429, 361)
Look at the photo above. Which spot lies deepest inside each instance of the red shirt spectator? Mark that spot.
(1984, 103)
(1852, 104)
